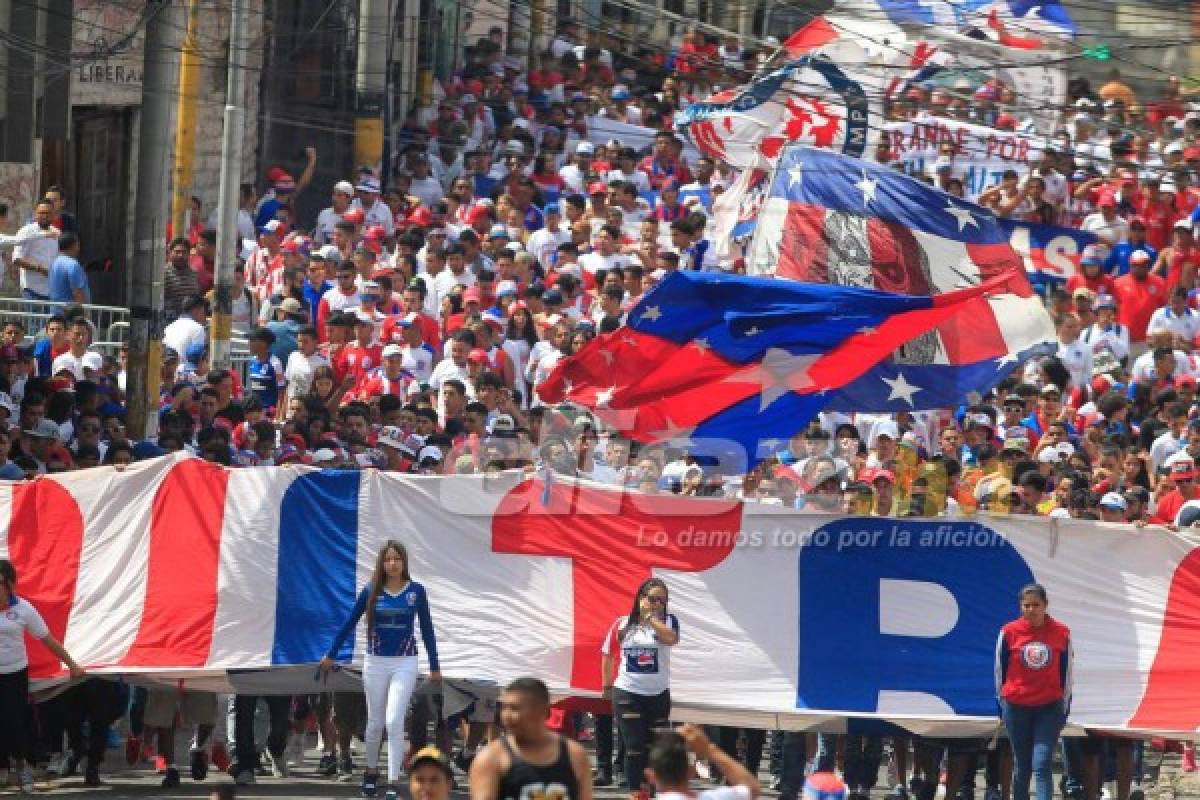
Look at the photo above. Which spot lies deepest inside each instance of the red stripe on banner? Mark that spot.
(1169, 701)
(861, 352)
(895, 258)
(181, 581)
(597, 529)
(47, 565)
(803, 251)
(973, 334)
(995, 260)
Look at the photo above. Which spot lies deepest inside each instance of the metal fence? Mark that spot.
(111, 324)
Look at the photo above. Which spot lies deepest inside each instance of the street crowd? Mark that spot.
(408, 326)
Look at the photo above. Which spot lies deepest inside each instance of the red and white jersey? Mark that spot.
(377, 384)
(357, 361)
(259, 267)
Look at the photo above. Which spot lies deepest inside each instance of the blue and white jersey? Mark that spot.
(395, 630)
(644, 662)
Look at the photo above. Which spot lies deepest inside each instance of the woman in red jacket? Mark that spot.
(1033, 685)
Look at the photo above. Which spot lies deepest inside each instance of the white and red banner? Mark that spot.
(178, 569)
(980, 154)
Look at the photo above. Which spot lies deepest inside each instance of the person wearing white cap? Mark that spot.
(390, 378)
(416, 355)
(343, 195)
(1181, 471)
(375, 210)
(1113, 507)
(578, 173)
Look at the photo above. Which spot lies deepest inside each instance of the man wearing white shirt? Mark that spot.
(424, 186)
(455, 273)
(544, 242)
(575, 175)
(189, 328)
(1182, 322)
(1107, 333)
(72, 360)
(1106, 223)
(627, 170)
(376, 212)
(35, 254)
(343, 194)
(605, 255)
(1075, 354)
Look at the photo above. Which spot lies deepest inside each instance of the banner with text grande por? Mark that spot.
(177, 569)
(979, 155)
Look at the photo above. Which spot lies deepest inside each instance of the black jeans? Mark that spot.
(279, 707)
(98, 703)
(14, 710)
(637, 717)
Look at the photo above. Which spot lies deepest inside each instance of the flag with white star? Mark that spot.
(724, 362)
(832, 219)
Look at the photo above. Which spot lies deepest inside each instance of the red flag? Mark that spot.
(812, 36)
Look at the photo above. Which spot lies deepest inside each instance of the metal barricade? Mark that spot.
(111, 322)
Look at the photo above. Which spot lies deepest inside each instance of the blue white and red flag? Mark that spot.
(837, 220)
(728, 363)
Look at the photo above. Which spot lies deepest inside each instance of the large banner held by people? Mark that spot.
(184, 571)
(980, 155)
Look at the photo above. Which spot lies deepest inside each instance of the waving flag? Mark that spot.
(833, 219)
(942, 13)
(1017, 24)
(727, 362)
(176, 570)
(810, 100)
(829, 94)
(1051, 252)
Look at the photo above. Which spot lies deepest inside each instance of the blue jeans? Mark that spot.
(1033, 732)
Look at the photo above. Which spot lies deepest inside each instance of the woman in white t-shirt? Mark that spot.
(639, 682)
(17, 615)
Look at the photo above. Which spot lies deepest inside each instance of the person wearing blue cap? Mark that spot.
(668, 769)
(543, 243)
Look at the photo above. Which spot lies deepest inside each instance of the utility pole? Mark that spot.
(185, 132)
(374, 26)
(227, 206)
(160, 83)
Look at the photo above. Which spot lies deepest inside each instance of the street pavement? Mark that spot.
(1167, 783)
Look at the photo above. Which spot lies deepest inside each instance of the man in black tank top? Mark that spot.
(529, 761)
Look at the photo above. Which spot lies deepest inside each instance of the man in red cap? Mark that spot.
(281, 188)
(1138, 295)
(1106, 223)
(1181, 470)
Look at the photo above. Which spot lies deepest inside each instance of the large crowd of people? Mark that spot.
(408, 326)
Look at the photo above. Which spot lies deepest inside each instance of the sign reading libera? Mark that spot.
(107, 46)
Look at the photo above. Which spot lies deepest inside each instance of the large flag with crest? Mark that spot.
(838, 220)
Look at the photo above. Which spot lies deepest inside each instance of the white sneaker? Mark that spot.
(25, 779)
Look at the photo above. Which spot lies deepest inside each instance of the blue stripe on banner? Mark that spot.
(318, 550)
